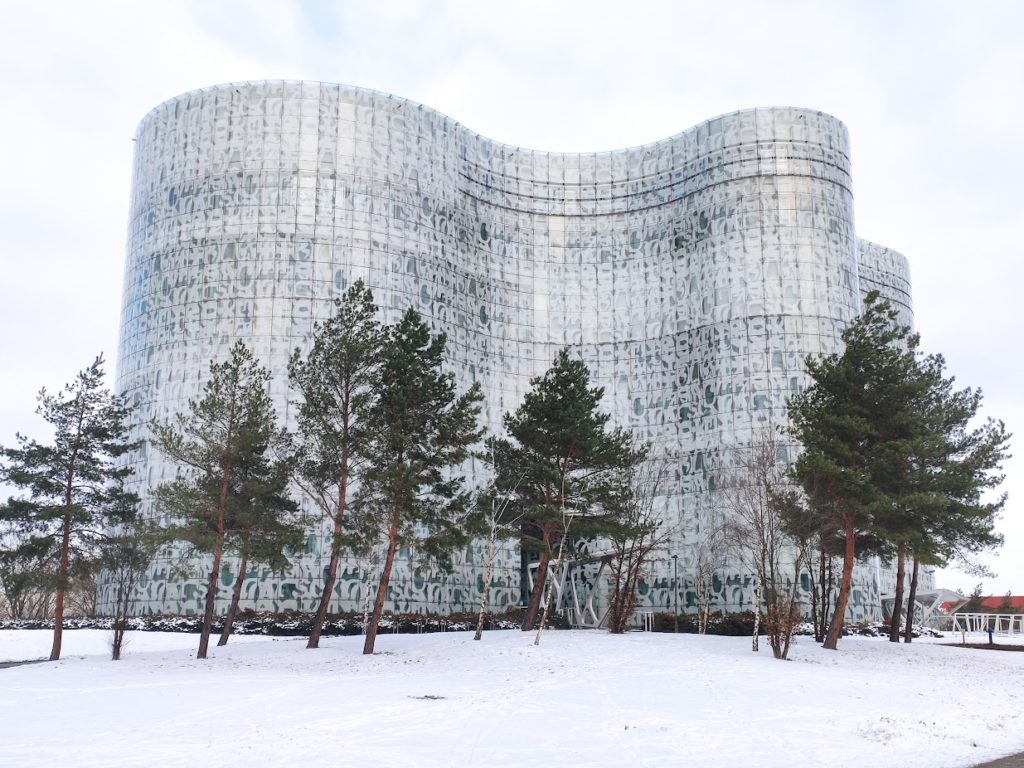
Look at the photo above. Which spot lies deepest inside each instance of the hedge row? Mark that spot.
(284, 624)
(294, 624)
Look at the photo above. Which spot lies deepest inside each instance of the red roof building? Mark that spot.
(996, 602)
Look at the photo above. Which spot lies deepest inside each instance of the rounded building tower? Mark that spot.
(693, 276)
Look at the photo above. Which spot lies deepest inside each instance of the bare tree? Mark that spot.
(81, 597)
(821, 547)
(26, 582)
(711, 556)
(637, 536)
(759, 499)
(822, 589)
(127, 554)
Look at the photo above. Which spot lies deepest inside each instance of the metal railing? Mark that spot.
(1006, 624)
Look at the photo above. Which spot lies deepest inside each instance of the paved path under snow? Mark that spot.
(1010, 761)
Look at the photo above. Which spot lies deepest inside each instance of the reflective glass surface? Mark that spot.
(692, 275)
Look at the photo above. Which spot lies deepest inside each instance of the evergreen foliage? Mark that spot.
(265, 529)
(948, 470)
(575, 470)
(419, 429)
(232, 490)
(71, 487)
(336, 383)
(890, 463)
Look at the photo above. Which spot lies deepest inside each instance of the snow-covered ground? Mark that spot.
(579, 699)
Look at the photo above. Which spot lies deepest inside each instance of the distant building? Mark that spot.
(996, 603)
(693, 275)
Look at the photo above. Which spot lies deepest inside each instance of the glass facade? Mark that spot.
(693, 276)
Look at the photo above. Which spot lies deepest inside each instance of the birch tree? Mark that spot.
(498, 520)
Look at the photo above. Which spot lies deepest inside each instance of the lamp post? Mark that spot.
(675, 591)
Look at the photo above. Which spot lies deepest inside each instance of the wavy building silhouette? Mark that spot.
(693, 276)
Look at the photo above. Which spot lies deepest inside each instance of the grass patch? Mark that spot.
(987, 647)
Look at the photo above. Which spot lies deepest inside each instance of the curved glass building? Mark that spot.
(693, 276)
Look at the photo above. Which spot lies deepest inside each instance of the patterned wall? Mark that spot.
(693, 275)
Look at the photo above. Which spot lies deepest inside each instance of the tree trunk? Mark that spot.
(332, 568)
(120, 623)
(236, 595)
(630, 600)
(211, 600)
(909, 632)
(699, 585)
(824, 587)
(371, 566)
(382, 590)
(835, 631)
(218, 553)
(814, 596)
(325, 595)
(621, 606)
(551, 589)
(792, 614)
(62, 580)
(826, 607)
(897, 605)
(831, 623)
(488, 573)
(757, 616)
(538, 586)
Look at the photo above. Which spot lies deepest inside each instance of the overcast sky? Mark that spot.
(932, 92)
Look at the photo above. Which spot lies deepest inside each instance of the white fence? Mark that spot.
(1008, 624)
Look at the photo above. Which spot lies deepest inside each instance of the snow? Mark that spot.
(579, 699)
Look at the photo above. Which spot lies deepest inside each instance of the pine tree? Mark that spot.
(73, 485)
(889, 463)
(845, 421)
(419, 430)
(954, 467)
(336, 383)
(576, 470)
(225, 445)
(900, 467)
(264, 527)
(974, 600)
